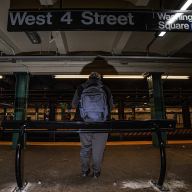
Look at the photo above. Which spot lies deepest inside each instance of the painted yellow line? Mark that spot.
(5, 143)
(180, 142)
(115, 143)
(54, 143)
(109, 143)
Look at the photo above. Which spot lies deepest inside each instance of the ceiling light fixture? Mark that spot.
(174, 18)
(117, 77)
(34, 37)
(186, 5)
(48, 2)
(162, 33)
(71, 76)
(104, 76)
(174, 77)
(123, 77)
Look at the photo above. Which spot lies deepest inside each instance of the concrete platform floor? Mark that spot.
(125, 169)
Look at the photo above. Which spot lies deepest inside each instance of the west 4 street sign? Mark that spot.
(98, 20)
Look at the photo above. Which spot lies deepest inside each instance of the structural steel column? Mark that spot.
(121, 113)
(186, 115)
(63, 110)
(133, 113)
(156, 101)
(36, 112)
(4, 113)
(20, 105)
(52, 109)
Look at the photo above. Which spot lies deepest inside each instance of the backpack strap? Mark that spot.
(77, 114)
(107, 93)
(80, 90)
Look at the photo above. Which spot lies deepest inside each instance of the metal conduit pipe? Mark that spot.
(90, 58)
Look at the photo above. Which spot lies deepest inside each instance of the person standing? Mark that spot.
(93, 102)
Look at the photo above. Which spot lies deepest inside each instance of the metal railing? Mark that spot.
(118, 126)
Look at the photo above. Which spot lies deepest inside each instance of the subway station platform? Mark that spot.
(125, 168)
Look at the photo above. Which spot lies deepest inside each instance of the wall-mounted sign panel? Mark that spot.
(98, 20)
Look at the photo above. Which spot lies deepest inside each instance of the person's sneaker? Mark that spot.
(85, 173)
(96, 175)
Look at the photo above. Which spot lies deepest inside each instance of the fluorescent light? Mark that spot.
(1, 77)
(123, 77)
(174, 18)
(71, 76)
(162, 33)
(47, 2)
(177, 15)
(117, 77)
(186, 5)
(174, 77)
(104, 76)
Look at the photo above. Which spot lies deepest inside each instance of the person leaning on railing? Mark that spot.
(92, 144)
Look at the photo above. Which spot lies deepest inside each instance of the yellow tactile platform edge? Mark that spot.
(110, 143)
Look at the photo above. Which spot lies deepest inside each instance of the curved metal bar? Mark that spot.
(114, 126)
(19, 159)
(163, 159)
(110, 126)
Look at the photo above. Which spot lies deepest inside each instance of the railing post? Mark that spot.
(156, 126)
(19, 159)
(160, 182)
(20, 105)
(156, 102)
(163, 159)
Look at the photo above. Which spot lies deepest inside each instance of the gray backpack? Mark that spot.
(93, 104)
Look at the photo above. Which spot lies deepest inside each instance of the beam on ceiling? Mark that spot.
(60, 41)
(120, 58)
(53, 68)
(120, 42)
(58, 36)
(6, 43)
(47, 2)
(6, 48)
(74, 64)
(171, 43)
(122, 38)
(141, 2)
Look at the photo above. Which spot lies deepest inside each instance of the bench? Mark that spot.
(58, 127)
